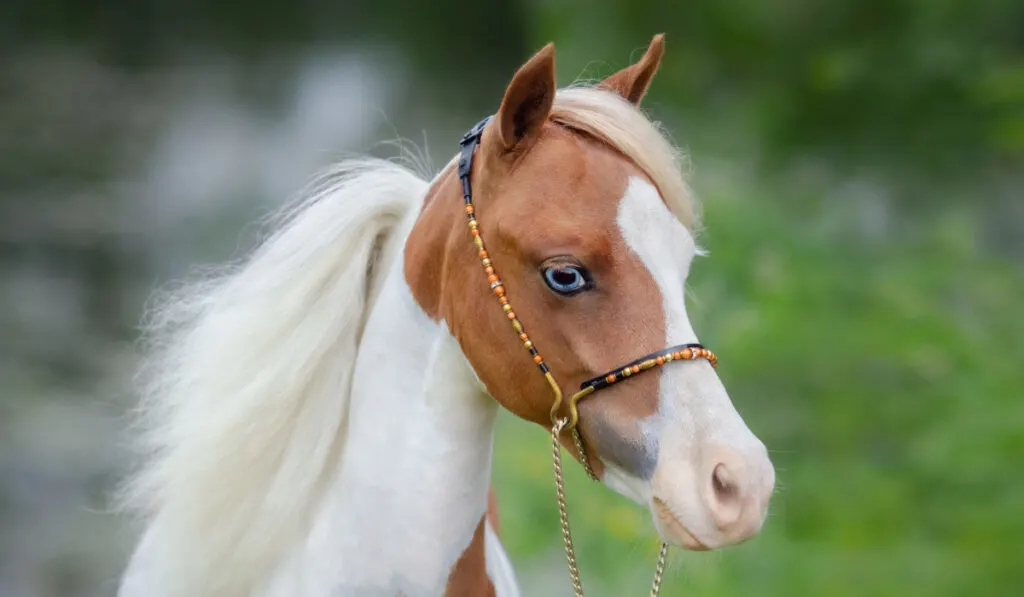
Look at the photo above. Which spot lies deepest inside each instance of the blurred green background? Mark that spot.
(860, 167)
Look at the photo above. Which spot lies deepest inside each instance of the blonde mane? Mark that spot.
(611, 119)
(246, 378)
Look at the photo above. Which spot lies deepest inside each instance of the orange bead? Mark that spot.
(635, 369)
(489, 270)
(524, 337)
(474, 232)
(511, 314)
(483, 254)
(492, 278)
(610, 378)
(677, 355)
(499, 290)
(537, 359)
(687, 353)
(469, 209)
(503, 300)
(660, 360)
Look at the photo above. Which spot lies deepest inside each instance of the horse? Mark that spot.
(317, 419)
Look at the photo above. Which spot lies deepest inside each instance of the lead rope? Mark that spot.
(563, 515)
(570, 551)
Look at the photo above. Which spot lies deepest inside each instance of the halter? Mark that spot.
(682, 352)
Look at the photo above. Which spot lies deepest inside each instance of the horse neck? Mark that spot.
(411, 493)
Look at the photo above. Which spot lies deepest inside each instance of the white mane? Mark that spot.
(245, 389)
(245, 386)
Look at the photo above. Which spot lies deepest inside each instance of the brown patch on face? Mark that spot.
(559, 201)
(544, 194)
(469, 575)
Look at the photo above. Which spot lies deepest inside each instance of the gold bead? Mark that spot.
(517, 326)
(506, 307)
(486, 261)
(528, 343)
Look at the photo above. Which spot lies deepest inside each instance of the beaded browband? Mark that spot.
(683, 352)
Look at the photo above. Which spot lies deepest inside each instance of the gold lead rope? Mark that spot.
(570, 550)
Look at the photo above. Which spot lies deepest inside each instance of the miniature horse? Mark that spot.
(318, 419)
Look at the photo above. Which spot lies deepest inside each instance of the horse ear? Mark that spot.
(632, 82)
(527, 100)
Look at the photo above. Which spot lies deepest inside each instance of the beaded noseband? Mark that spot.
(683, 352)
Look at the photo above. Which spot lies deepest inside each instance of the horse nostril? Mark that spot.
(724, 485)
(726, 499)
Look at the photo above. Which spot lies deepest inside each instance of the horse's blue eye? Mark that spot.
(565, 279)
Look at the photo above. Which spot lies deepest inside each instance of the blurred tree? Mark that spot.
(925, 87)
(920, 88)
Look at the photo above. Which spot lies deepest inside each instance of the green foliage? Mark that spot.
(884, 376)
(930, 87)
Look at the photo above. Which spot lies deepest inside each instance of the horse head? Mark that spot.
(590, 235)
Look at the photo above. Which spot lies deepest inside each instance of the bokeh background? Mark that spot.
(860, 167)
